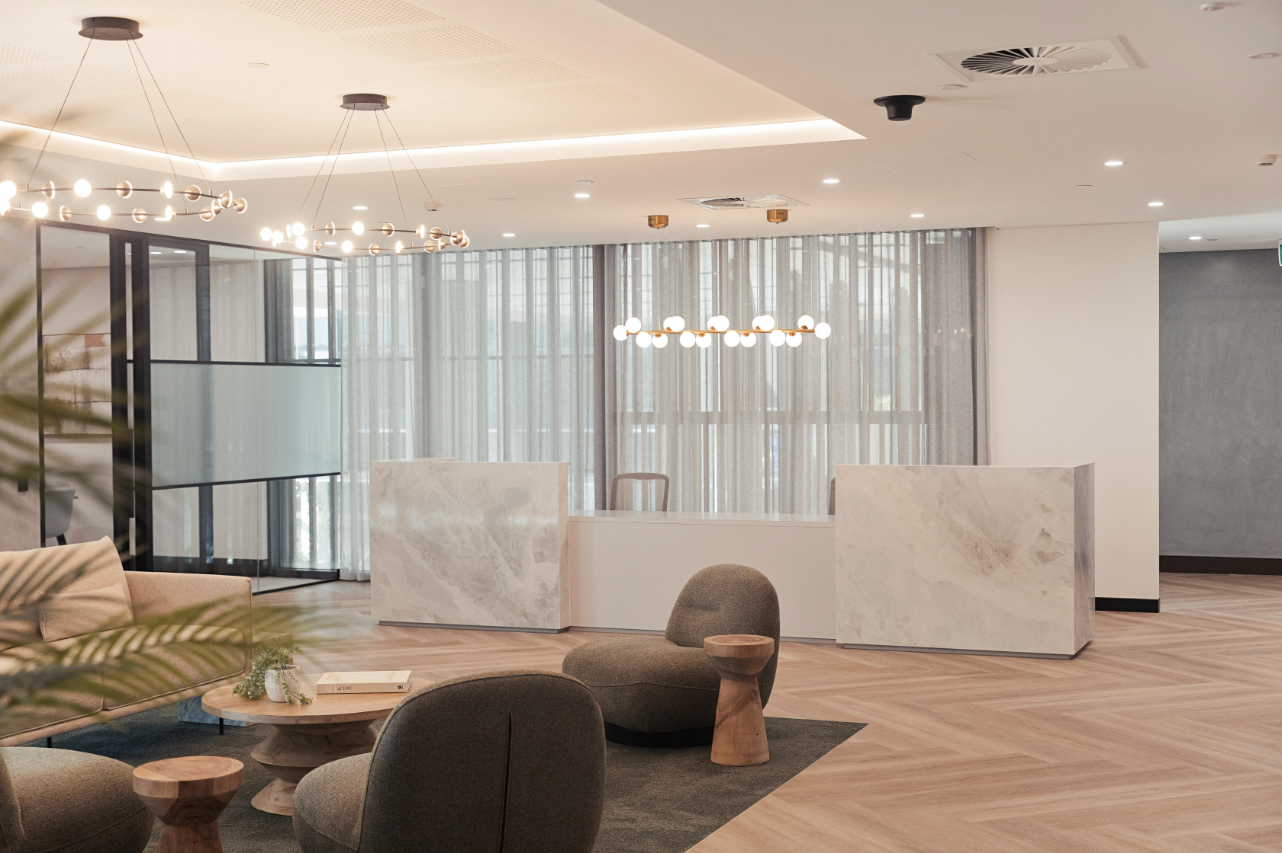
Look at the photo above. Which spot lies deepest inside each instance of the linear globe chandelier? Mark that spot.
(720, 325)
(38, 202)
(310, 237)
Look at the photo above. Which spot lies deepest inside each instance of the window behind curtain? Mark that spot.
(761, 429)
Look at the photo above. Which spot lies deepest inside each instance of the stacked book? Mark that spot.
(394, 681)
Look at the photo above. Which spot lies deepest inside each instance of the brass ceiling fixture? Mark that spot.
(777, 215)
(126, 30)
(434, 238)
(658, 220)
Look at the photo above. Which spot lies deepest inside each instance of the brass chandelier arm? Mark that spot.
(699, 332)
(116, 189)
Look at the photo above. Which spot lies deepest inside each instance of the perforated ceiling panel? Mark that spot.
(12, 54)
(434, 44)
(568, 97)
(91, 79)
(181, 101)
(345, 14)
(511, 72)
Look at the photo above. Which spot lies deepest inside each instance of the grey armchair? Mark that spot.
(662, 691)
(500, 761)
(59, 801)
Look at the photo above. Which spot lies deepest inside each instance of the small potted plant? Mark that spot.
(274, 673)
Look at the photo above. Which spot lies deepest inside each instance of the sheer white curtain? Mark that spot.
(901, 380)
(482, 356)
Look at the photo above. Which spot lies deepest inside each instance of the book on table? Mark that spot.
(392, 681)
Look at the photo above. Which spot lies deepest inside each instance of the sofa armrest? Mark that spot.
(157, 593)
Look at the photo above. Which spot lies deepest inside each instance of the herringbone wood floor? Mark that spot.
(1163, 735)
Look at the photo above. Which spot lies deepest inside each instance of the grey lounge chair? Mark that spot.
(662, 691)
(60, 801)
(500, 761)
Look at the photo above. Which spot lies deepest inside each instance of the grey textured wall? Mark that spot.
(1221, 404)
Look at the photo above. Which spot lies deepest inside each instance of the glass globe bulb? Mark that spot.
(278, 237)
(661, 341)
(299, 229)
(748, 341)
(719, 323)
(731, 338)
(620, 332)
(675, 323)
(767, 322)
(4, 206)
(633, 325)
(643, 339)
(822, 330)
(8, 189)
(169, 213)
(167, 190)
(358, 228)
(266, 233)
(687, 339)
(777, 337)
(82, 188)
(794, 340)
(301, 242)
(704, 341)
(347, 245)
(399, 247)
(40, 210)
(805, 321)
(104, 212)
(289, 231)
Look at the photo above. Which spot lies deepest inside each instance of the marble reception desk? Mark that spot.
(989, 559)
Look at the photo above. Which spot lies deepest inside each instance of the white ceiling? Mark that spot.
(1189, 121)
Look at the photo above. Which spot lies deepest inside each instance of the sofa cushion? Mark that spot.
(73, 802)
(84, 611)
(97, 563)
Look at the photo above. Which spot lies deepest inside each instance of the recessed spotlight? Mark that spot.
(360, 207)
(916, 215)
(1113, 163)
(585, 182)
(1155, 204)
(832, 180)
(1195, 237)
(583, 195)
(258, 65)
(702, 225)
(155, 253)
(331, 242)
(508, 234)
(180, 251)
(951, 87)
(1263, 56)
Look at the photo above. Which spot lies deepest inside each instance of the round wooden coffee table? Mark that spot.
(739, 738)
(304, 736)
(188, 794)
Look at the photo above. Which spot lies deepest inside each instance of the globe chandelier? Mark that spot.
(762, 326)
(313, 237)
(39, 202)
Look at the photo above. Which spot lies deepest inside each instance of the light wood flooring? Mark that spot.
(1165, 734)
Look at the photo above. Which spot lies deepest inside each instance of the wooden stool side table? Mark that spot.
(188, 794)
(739, 738)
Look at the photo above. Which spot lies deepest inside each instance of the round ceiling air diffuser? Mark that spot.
(1034, 61)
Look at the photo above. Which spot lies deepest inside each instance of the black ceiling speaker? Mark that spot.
(899, 107)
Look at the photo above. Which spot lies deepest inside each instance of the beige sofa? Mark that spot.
(105, 595)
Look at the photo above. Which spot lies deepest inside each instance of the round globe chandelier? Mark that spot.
(762, 327)
(332, 237)
(40, 201)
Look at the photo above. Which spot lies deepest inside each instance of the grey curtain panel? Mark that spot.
(901, 380)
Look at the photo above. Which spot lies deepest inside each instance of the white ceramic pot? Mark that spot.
(276, 679)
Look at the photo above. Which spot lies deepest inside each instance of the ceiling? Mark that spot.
(1189, 119)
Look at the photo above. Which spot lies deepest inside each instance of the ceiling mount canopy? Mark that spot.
(110, 29)
(310, 236)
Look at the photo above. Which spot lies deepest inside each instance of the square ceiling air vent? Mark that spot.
(744, 202)
(1038, 60)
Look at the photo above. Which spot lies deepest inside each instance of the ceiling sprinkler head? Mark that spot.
(1267, 160)
(899, 107)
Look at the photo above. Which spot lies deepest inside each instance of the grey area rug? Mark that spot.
(657, 800)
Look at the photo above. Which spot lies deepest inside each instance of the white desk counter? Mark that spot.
(626, 568)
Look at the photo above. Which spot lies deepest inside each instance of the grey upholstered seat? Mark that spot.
(663, 690)
(59, 801)
(500, 762)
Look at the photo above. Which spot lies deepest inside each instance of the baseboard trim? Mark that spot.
(1041, 655)
(1219, 565)
(1129, 605)
(471, 627)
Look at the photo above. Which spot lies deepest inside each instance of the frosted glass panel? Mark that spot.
(219, 423)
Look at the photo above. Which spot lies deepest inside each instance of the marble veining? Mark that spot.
(969, 558)
(470, 543)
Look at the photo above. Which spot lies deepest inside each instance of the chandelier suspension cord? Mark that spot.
(324, 160)
(388, 155)
(436, 207)
(341, 142)
(192, 154)
(173, 170)
(65, 97)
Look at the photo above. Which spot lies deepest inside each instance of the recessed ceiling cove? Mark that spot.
(1041, 60)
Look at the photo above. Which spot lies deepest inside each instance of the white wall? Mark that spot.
(1073, 377)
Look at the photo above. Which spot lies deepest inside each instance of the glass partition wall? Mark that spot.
(225, 373)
